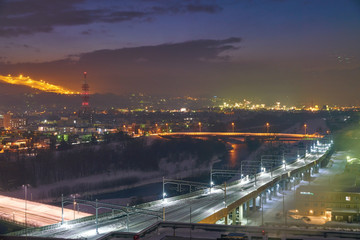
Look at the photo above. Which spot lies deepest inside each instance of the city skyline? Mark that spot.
(288, 51)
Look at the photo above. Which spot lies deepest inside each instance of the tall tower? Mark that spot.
(85, 95)
(85, 112)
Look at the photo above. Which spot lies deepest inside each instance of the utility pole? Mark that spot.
(163, 189)
(97, 221)
(62, 209)
(285, 221)
(211, 181)
(225, 194)
(26, 208)
(262, 210)
(190, 222)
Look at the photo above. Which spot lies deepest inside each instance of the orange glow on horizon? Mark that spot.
(36, 84)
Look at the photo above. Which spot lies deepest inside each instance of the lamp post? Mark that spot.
(305, 128)
(267, 127)
(284, 161)
(25, 186)
(233, 126)
(164, 194)
(199, 126)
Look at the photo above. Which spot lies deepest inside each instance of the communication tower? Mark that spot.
(85, 94)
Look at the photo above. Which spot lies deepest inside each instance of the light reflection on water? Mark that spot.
(237, 153)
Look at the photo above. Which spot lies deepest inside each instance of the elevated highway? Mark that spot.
(228, 205)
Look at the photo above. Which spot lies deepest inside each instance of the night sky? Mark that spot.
(295, 51)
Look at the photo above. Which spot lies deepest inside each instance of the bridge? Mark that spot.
(227, 204)
(273, 136)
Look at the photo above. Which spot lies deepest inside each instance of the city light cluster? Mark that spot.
(36, 84)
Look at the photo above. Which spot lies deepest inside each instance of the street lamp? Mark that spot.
(305, 126)
(267, 127)
(233, 126)
(199, 126)
(284, 161)
(164, 193)
(25, 186)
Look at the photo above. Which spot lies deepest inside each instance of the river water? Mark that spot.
(237, 151)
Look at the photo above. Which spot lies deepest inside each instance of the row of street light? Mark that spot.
(267, 125)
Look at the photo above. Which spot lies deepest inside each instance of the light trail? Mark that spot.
(36, 84)
(38, 214)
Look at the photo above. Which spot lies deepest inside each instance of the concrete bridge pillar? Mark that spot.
(288, 184)
(270, 191)
(264, 197)
(275, 189)
(234, 216)
(248, 208)
(254, 204)
(241, 213)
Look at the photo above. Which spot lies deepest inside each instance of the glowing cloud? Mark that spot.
(36, 84)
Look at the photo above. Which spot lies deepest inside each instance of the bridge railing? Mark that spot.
(107, 215)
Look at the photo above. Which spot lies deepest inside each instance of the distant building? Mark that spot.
(7, 120)
(339, 200)
(334, 204)
(18, 123)
(1, 121)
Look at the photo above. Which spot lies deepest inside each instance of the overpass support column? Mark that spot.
(226, 218)
(275, 190)
(264, 196)
(288, 184)
(241, 213)
(254, 204)
(234, 216)
(248, 208)
(270, 193)
(260, 200)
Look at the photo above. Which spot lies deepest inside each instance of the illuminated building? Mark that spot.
(18, 123)
(1, 121)
(7, 120)
(339, 201)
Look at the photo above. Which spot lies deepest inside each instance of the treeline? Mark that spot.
(133, 154)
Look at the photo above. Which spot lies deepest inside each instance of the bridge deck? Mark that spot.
(242, 134)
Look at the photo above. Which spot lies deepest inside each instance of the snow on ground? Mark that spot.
(273, 209)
